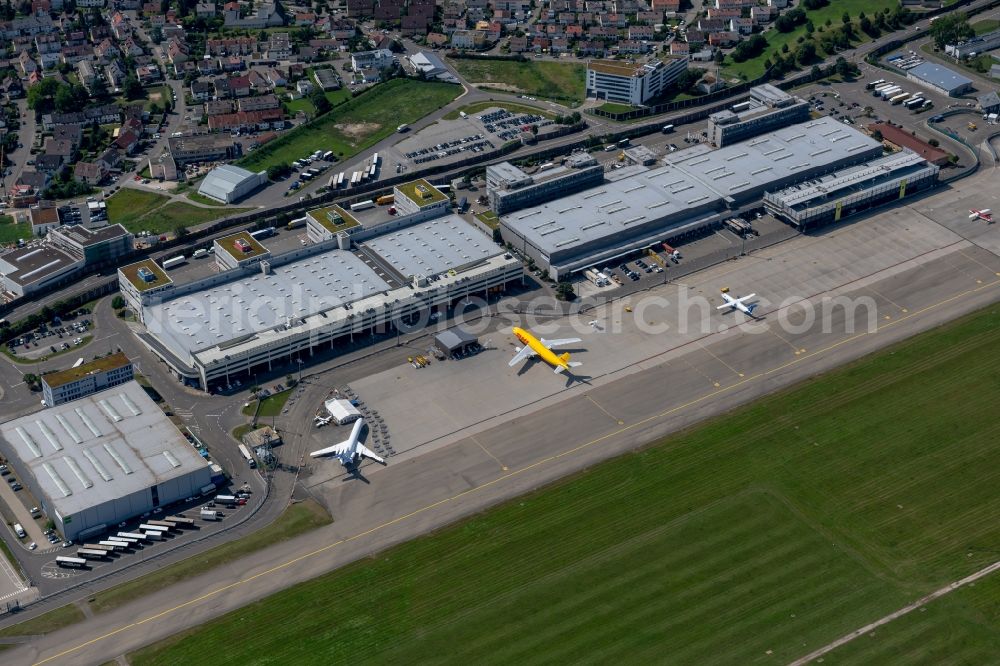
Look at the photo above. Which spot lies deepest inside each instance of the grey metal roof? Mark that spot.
(100, 448)
(224, 180)
(609, 209)
(841, 183)
(942, 77)
(434, 247)
(690, 182)
(734, 171)
(455, 338)
(249, 305)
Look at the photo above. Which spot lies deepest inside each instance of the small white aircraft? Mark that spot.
(737, 303)
(321, 421)
(350, 451)
(595, 324)
(985, 215)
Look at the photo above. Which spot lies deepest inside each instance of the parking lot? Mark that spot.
(57, 336)
(452, 140)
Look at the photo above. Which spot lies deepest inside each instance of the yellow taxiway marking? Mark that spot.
(606, 412)
(487, 452)
(692, 366)
(795, 349)
(971, 258)
(889, 300)
(734, 370)
(489, 484)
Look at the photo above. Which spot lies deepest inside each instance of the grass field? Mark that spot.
(984, 26)
(560, 81)
(510, 106)
(760, 536)
(11, 232)
(127, 205)
(295, 520)
(361, 122)
(271, 405)
(202, 199)
(45, 623)
(176, 214)
(751, 69)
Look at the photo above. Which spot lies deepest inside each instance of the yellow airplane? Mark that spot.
(542, 348)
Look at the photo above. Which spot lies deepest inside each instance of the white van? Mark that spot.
(19, 531)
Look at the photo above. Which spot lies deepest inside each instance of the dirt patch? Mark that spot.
(507, 87)
(156, 97)
(356, 131)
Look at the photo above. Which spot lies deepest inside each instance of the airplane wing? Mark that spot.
(549, 344)
(745, 298)
(974, 216)
(335, 450)
(368, 453)
(522, 353)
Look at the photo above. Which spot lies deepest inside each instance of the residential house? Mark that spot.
(87, 74)
(244, 120)
(74, 54)
(279, 46)
(26, 64)
(468, 39)
(217, 107)
(116, 75)
(259, 103)
(73, 134)
(148, 74)
(239, 86)
(106, 50)
(232, 63)
(110, 159)
(231, 46)
(204, 10)
(202, 91)
(379, 59)
(130, 47)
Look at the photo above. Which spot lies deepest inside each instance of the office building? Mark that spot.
(767, 109)
(27, 270)
(95, 246)
(631, 83)
(83, 380)
(978, 45)
(509, 188)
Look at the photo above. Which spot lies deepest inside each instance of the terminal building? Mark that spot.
(103, 459)
(256, 318)
(695, 188)
(768, 108)
(630, 83)
(849, 191)
(509, 188)
(83, 380)
(940, 79)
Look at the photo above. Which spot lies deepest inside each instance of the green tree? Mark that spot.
(842, 67)
(951, 28)
(565, 292)
(845, 19)
(133, 89)
(118, 302)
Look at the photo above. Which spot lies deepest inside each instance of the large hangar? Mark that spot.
(103, 459)
(693, 189)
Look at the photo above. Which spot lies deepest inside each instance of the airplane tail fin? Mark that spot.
(751, 308)
(564, 357)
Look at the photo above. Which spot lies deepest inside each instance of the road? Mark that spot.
(502, 456)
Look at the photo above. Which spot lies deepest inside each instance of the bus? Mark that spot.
(91, 553)
(72, 562)
(355, 178)
(913, 103)
(898, 99)
(245, 452)
(375, 159)
(667, 129)
(871, 85)
(372, 169)
(340, 180)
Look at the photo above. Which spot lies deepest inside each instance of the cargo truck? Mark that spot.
(209, 514)
(198, 254)
(173, 262)
(363, 205)
(385, 199)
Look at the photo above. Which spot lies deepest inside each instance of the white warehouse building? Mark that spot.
(95, 462)
(229, 183)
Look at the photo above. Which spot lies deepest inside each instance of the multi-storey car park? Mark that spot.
(252, 318)
(852, 190)
(694, 189)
